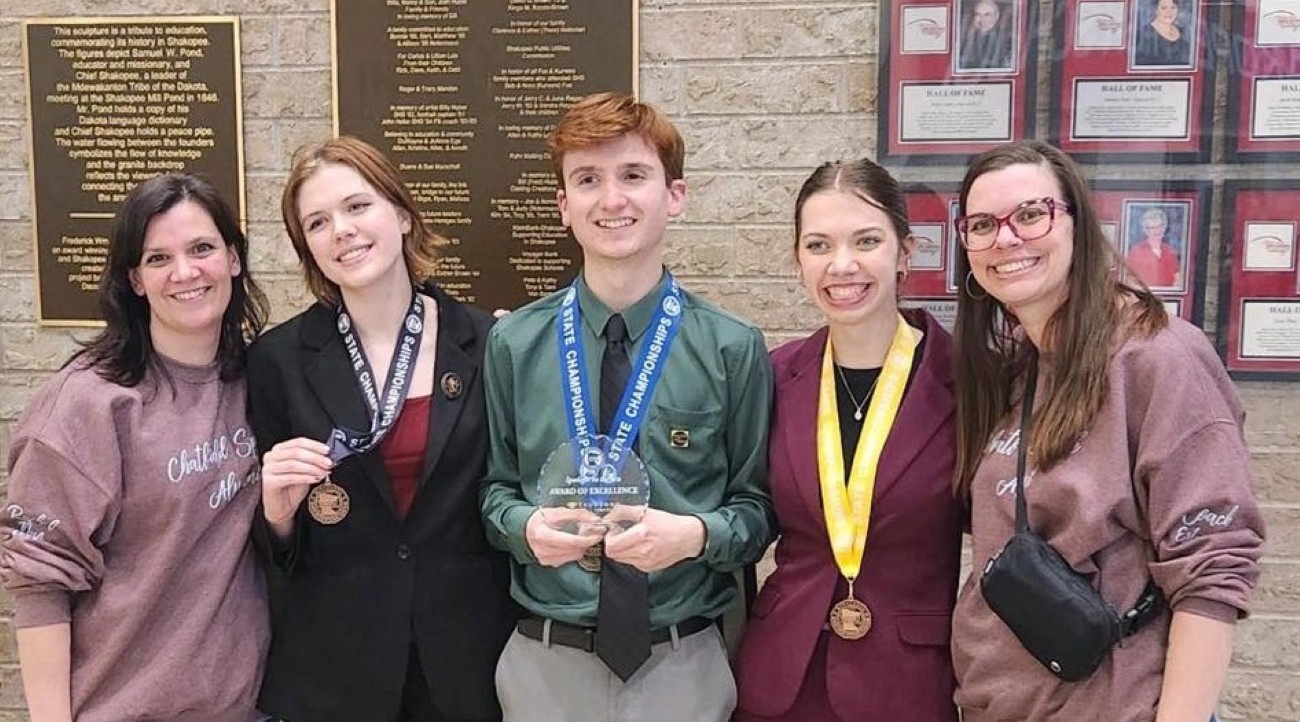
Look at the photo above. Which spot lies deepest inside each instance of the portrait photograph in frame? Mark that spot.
(1155, 236)
(1164, 35)
(986, 37)
(1124, 205)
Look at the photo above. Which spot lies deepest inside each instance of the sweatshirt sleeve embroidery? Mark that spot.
(55, 524)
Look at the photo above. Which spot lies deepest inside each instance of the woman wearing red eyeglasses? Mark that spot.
(1137, 470)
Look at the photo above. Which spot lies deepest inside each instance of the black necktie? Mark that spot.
(623, 617)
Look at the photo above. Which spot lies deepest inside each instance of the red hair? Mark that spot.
(603, 117)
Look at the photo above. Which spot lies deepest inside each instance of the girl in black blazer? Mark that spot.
(387, 602)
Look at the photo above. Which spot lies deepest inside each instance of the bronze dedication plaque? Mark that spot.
(111, 102)
(461, 96)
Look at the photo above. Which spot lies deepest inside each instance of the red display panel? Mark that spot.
(1158, 229)
(1264, 90)
(931, 284)
(1123, 91)
(1259, 293)
(956, 78)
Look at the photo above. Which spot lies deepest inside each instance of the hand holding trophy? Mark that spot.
(585, 490)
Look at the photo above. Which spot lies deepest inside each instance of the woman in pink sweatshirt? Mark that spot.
(1137, 466)
(126, 529)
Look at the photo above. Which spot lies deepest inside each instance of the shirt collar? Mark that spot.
(637, 316)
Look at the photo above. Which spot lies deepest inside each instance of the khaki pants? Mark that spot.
(688, 682)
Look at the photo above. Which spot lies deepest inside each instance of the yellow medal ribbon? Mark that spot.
(848, 507)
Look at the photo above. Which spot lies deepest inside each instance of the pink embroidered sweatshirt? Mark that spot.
(128, 517)
(1160, 487)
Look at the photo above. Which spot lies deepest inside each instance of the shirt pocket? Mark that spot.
(687, 448)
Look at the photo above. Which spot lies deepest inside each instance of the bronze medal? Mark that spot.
(593, 558)
(850, 619)
(328, 503)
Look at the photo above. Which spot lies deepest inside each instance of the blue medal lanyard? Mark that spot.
(640, 386)
(346, 442)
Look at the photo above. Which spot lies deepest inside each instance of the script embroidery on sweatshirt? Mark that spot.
(207, 455)
(30, 528)
(1007, 443)
(210, 455)
(231, 485)
(1192, 524)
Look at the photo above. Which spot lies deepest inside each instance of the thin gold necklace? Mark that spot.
(857, 407)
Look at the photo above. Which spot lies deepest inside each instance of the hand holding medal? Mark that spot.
(291, 468)
(289, 471)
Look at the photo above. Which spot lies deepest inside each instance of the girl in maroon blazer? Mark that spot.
(854, 623)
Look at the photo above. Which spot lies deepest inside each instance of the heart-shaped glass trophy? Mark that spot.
(584, 489)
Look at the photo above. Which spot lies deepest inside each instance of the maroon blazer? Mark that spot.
(902, 668)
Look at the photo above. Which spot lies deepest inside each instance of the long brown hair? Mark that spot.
(1100, 310)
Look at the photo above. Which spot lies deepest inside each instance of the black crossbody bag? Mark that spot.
(1052, 609)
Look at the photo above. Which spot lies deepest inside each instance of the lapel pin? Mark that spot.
(679, 438)
(451, 385)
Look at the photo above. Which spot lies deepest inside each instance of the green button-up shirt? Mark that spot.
(716, 386)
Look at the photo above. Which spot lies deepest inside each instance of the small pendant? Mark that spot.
(857, 414)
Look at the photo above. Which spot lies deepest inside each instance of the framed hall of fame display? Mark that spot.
(931, 283)
(1135, 80)
(1264, 92)
(956, 78)
(1158, 230)
(1259, 289)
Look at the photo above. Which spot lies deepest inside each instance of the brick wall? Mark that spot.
(763, 90)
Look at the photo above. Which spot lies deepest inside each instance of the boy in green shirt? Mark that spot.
(622, 628)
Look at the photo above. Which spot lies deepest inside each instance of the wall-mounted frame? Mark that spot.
(1264, 89)
(113, 101)
(956, 78)
(930, 284)
(1122, 92)
(1158, 228)
(1259, 287)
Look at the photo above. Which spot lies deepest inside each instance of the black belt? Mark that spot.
(584, 638)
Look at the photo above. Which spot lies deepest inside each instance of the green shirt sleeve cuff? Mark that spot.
(515, 521)
(715, 531)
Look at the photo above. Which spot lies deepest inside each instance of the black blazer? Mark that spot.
(348, 600)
